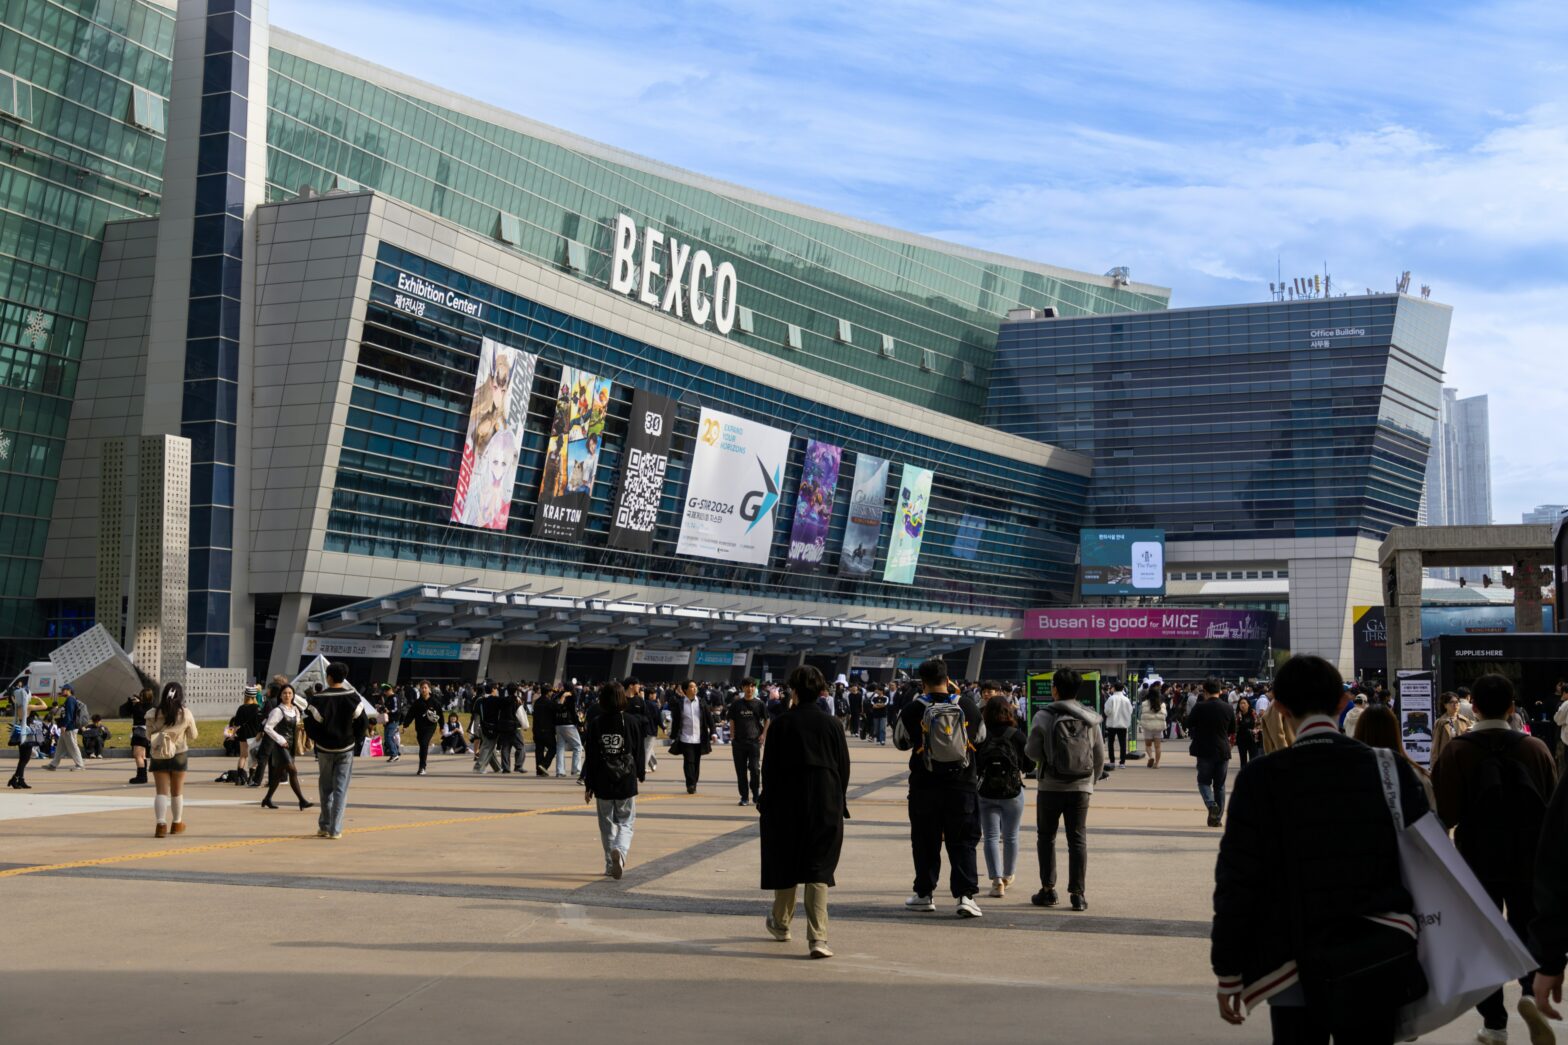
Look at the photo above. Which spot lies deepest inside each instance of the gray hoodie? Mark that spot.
(1040, 729)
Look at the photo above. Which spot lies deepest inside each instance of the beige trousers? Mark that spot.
(816, 909)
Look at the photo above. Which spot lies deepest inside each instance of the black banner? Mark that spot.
(649, 432)
(572, 455)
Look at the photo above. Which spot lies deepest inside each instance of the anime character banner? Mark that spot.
(867, 503)
(572, 456)
(909, 525)
(808, 537)
(488, 469)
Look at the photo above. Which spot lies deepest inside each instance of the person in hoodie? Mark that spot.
(1118, 719)
(1071, 758)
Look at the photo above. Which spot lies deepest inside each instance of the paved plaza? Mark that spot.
(461, 908)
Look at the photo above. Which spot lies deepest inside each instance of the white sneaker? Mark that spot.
(820, 950)
(776, 931)
(967, 908)
(1541, 1032)
(1487, 1036)
(919, 903)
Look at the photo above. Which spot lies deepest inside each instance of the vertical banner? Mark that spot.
(736, 467)
(1416, 718)
(909, 525)
(488, 470)
(647, 457)
(808, 537)
(867, 503)
(576, 431)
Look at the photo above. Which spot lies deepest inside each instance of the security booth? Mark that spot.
(1534, 663)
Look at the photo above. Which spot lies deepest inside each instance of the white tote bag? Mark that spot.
(1466, 948)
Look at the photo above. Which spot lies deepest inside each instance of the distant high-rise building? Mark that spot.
(1546, 513)
(1459, 469)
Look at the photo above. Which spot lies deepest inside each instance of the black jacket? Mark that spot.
(624, 728)
(705, 731)
(911, 717)
(805, 795)
(418, 715)
(334, 721)
(1549, 931)
(1209, 726)
(544, 720)
(1308, 845)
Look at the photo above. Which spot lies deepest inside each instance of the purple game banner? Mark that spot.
(808, 538)
(1097, 623)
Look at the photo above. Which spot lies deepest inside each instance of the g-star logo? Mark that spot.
(709, 290)
(758, 503)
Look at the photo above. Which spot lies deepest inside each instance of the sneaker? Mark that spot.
(820, 950)
(1044, 898)
(1488, 1036)
(775, 930)
(323, 833)
(617, 863)
(335, 835)
(1078, 902)
(997, 888)
(967, 908)
(1214, 816)
(919, 903)
(420, 772)
(743, 802)
(1541, 1032)
(1007, 883)
(395, 758)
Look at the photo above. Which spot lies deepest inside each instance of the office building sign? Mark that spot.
(488, 469)
(867, 505)
(736, 468)
(666, 274)
(808, 537)
(572, 455)
(645, 461)
(909, 525)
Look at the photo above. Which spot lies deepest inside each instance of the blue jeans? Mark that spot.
(1211, 781)
(999, 820)
(879, 728)
(391, 743)
(617, 816)
(567, 737)
(336, 767)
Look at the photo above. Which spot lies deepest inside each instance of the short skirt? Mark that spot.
(177, 764)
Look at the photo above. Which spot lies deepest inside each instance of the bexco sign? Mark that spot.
(688, 278)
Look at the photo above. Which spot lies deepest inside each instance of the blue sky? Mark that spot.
(1194, 143)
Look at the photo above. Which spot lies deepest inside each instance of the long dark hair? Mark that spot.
(171, 703)
(1154, 698)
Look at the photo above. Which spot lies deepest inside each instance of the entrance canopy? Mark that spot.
(436, 613)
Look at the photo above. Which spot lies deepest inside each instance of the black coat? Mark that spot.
(629, 727)
(805, 798)
(705, 732)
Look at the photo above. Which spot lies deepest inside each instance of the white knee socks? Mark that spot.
(160, 809)
(177, 808)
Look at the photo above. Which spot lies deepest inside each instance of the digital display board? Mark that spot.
(1121, 562)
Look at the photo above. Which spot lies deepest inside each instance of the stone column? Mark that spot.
(289, 637)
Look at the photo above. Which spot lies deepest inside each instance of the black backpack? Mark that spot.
(616, 754)
(997, 761)
(1503, 818)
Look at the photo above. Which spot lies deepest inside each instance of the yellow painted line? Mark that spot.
(242, 843)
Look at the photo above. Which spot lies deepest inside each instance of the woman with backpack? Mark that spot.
(804, 802)
(1000, 761)
(1151, 723)
(612, 769)
(170, 730)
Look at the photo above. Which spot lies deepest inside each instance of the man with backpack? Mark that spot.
(1492, 786)
(942, 730)
(72, 717)
(1065, 741)
(496, 717)
(1209, 728)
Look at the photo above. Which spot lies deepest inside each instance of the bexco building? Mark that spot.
(462, 394)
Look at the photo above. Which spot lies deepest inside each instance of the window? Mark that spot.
(509, 230)
(16, 99)
(844, 331)
(576, 255)
(968, 373)
(746, 320)
(146, 110)
(792, 336)
(1205, 576)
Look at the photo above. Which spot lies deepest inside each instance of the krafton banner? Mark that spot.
(736, 468)
(867, 501)
(488, 469)
(909, 525)
(808, 536)
(572, 455)
(647, 457)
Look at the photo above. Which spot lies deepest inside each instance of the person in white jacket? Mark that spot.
(1118, 719)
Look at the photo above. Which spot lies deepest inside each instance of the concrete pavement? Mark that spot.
(460, 907)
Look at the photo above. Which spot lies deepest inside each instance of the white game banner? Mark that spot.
(737, 468)
(377, 648)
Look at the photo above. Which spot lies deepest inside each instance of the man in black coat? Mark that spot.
(1209, 727)
(691, 731)
(544, 733)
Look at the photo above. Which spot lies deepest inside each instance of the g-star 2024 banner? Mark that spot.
(909, 525)
(488, 469)
(808, 537)
(572, 457)
(867, 504)
(737, 467)
(646, 459)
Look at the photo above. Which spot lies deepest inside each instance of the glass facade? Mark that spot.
(1001, 534)
(941, 308)
(1274, 420)
(73, 157)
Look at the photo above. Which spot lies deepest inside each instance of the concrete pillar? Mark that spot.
(796, 660)
(483, 671)
(751, 658)
(1528, 578)
(975, 662)
(293, 615)
(395, 664)
(555, 663)
(621, 661)
(1404, 618)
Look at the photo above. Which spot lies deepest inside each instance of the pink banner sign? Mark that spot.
(1097, 623)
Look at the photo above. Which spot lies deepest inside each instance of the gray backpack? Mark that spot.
(944, 737)
(1069, 747)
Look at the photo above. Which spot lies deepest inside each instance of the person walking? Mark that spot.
(1209, 726)
(612, 770)
(545, 709)
(424, 714)
(568, 735)
(285, 740)
(1118, 719)
(1000, 762)
(24, 736)
(1279, 732)
(1492, 785)
(803, 803)
(876, 715)
(645, 705)
(72, 717)
(170, 730)
(390, 708)
(1248, 731)
(1378, 726)
(246, 724)
(1066, 743)
(691, 732)
(1449, 726)
(335, 723)
(942, 730)
(495, 723)
(1303, 822)
(747, 718)
(1151, 722)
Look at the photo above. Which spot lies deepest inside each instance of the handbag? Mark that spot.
(1465, 947)
(19, 734)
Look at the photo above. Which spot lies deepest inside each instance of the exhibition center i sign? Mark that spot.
(737, 468)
